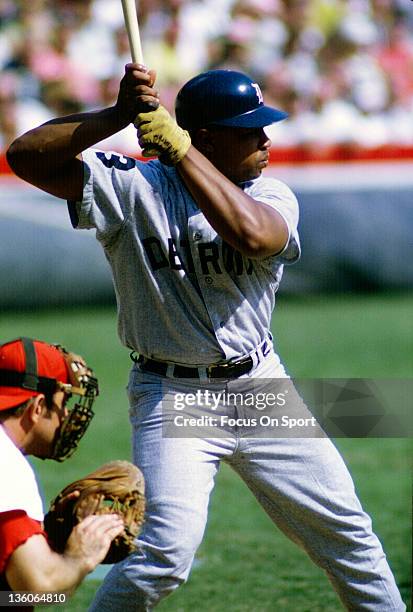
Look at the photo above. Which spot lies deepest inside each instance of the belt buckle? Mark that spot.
(229, 365)
(209, 369)
(215, 366)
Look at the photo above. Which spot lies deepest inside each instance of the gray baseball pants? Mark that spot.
(302, 483)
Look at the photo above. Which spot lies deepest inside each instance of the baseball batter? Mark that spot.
(197, 240)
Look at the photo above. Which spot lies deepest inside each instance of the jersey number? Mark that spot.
(116, 161)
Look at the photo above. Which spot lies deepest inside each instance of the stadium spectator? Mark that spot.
(343, 69)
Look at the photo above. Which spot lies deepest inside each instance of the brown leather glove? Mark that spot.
(116, 487)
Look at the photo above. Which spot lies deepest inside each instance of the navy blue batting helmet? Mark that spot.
(223, 97)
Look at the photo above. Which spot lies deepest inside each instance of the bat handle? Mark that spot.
(136, 51)
(132, 28)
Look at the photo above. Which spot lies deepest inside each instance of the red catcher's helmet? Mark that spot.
(29, 367)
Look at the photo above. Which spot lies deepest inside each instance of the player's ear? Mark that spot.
(35, 409)
(203, 140)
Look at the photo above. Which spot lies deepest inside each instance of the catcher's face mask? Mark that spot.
(84, 385)
(29, 367)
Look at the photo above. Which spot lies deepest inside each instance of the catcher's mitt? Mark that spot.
(116, 487)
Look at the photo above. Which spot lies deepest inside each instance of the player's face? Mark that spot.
(48, 426)
(241, 154)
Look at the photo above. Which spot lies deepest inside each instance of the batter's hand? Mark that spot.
(136, 92)
(90, 540)
(159, 134)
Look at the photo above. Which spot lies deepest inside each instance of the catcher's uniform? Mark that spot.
(21, 508)
(187, 300)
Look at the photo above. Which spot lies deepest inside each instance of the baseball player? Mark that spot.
(36, 381)
(197, 240)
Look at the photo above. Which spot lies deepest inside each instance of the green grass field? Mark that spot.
(244, 563)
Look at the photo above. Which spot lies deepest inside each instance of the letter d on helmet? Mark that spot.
(223, 97)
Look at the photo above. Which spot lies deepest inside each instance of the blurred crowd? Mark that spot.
(343, 69)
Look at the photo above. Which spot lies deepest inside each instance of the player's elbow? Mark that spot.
(262, 233)
(12, 155)
(17, 156)
(259, 251)
(24, 157)
(262, 244)
(252, 249)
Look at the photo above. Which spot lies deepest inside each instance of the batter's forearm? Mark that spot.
(54, 146)
(49, 146)
(249, 226)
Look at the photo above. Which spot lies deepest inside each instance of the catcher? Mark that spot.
(36, 381)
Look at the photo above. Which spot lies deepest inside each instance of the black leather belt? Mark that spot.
(219, 370)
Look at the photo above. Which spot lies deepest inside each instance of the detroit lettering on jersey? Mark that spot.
(213, 257)
(184, 295)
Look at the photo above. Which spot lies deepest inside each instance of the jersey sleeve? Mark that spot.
(107, 184)
(280, 197)
(18, 484)
(15, 529)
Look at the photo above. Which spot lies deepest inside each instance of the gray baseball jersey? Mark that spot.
(183, 294)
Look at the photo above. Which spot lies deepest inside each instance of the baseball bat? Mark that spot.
(132, 28)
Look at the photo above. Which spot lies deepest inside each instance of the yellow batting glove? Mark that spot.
(160, 135)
